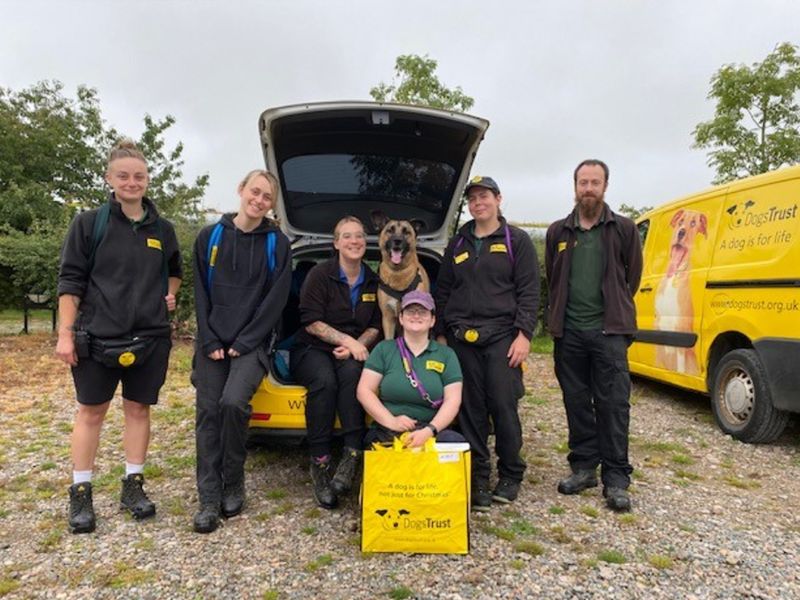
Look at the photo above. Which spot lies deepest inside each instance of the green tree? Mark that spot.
(415, 82)
(755, 124)
(633, 212)
(53, 151)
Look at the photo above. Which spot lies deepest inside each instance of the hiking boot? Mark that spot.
(481, 499)
(578, 481)
(506, 491)
(134, 499)
(321, 480)
(233, 499)
(81, 510)
(345, 475)
(206, 519)
(617, 499)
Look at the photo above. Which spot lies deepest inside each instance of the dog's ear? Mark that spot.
(403, 511)
(379, 220)
(676, 217)
(381, 512)
(703, 225)
(419, 225)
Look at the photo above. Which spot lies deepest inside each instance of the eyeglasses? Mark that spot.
(416, 310)
(353, 236)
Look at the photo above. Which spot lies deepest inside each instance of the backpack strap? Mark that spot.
(101, 219)
(506, 233)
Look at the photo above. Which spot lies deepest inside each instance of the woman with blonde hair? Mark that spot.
(120, 271)
(242, 276)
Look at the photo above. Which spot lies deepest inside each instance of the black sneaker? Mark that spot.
(233, 499)
(81, 510)
(206, 519)
(133, 498)
(506, 491)
(321, 481)
(342, 481)
(617, 499)
(578, 481)
(481, 499)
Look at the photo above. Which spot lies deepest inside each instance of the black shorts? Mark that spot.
(95, 383)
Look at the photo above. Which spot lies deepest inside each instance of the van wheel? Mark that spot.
(742, 402)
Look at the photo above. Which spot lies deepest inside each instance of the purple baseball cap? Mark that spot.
(418, 297)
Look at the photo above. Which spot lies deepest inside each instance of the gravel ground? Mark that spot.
(713, 518)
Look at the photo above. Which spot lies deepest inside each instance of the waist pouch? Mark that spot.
(121, 352)
(481, 335)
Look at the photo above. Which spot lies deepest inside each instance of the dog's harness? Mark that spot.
(398, 294)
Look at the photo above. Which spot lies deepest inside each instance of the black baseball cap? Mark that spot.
(481, 181)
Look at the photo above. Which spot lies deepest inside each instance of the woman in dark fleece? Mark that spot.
(242, 275)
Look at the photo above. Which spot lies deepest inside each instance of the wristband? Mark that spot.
(432, 427)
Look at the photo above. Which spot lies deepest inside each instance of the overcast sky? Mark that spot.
(621, 80)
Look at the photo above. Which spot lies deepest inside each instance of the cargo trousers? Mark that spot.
(592, 369)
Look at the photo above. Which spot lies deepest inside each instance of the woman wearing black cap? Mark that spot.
(488, 294)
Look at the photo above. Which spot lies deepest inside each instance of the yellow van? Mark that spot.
(718, 307)
(353, 158)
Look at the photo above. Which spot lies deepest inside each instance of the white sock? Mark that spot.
(82, 476)
(131, 468)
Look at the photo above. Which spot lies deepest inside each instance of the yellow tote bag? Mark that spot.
(416, 500)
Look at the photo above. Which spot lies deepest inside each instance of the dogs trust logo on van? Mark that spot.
(745, 215)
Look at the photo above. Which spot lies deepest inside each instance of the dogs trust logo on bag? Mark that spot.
(394, 520)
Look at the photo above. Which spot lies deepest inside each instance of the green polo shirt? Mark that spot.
(436, 367)
(585, 300)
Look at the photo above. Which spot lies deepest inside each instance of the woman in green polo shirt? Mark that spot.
(412, 384)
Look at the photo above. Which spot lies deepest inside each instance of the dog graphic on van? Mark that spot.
(673, 302)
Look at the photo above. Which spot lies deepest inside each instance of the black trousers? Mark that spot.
(491, 390)
(224, 389)
(592, 369)
(331, 385)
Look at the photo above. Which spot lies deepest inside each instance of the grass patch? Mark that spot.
(517, 564)
(628, 519)
(8, 585)
(123, 575)
(529, 547)
(612, 556)
(401, 592)
(590, 511)
(309, 530)
(283, 508)
(175, 507)
(660, 561)
(687, 528)
(271, 595)
(321, 561)
(523, 527)
(181, 463)
(742, 484)
(146, 544)
(686, 474)
(561, 447)
(589, 563)
(503, 534)
(665, 447)
(277, 494)
(682, 459)
(556, 510)
(51, 539)
(536, 401)
(48, 466)
(560, 535)
(542, 344)
(312, 513)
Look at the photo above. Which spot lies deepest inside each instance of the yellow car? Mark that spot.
(718, 307)
(351, 158)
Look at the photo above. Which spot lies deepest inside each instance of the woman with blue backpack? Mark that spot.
(242, 276)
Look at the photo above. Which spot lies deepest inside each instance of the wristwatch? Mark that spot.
(432, 427)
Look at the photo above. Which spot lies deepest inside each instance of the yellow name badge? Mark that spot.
(498, 248)
(434, 365)
(461, 258)
(154, 243)
(368, 297)
(562, 246)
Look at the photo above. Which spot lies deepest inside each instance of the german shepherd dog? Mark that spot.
(400, 270)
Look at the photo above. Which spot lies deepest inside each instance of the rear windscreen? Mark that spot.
(322, 188)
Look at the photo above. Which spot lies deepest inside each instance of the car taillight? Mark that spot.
(260, 416)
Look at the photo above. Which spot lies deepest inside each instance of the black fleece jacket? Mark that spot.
(324, 297)
(622, 271)
(123, 295)
(245, 301)
(484, 288)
